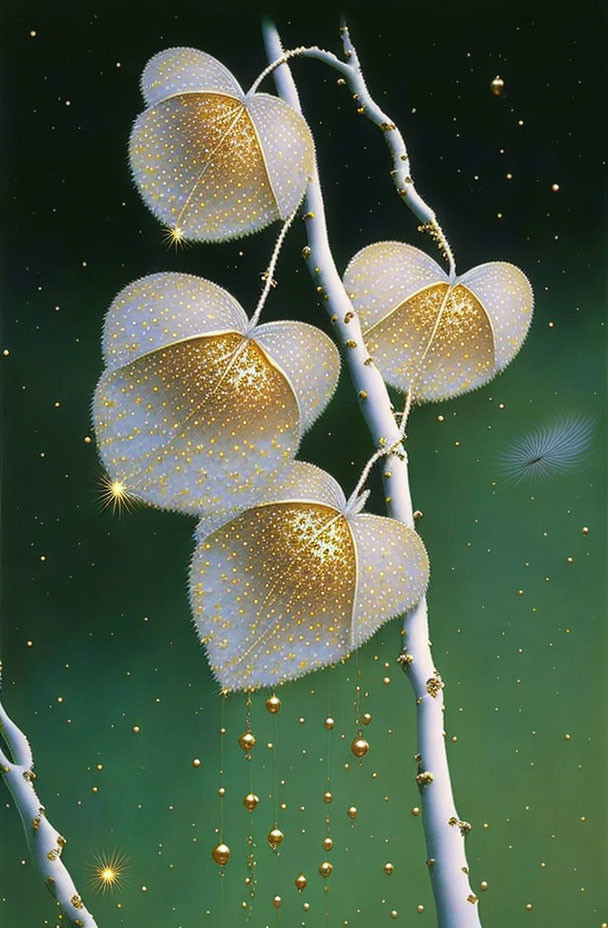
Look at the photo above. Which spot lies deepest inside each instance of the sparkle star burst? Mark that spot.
(115, 495)
(107, 872)
(174, 237)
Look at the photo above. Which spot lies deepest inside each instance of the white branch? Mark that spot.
(455, 901)
(44, 842)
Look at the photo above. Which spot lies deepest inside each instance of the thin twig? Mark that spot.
(352, 75)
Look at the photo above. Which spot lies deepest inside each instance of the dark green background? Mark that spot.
(107, 610)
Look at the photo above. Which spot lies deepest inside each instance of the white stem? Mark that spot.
(269, 273)
(44, 842)
(455, 901)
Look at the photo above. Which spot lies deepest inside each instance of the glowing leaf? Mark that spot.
(193, 412)
(432, 337)
(297, 582)
(210, 161)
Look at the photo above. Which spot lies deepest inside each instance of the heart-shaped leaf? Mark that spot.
(299, 581)
(432, 336)
(211, 162)
(195, 411)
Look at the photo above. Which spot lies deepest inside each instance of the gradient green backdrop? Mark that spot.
(106, 611)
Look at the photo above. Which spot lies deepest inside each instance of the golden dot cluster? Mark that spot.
(430, 337)
(208, 161)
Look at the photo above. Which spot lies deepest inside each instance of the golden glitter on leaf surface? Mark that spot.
(203, 422)
(210, 161)
(434, 337)
(295, 584)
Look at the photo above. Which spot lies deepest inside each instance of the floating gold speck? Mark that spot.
(366, 718)
(327, 843)
(325, 869)
(277, 902)
(221, 854)
(352, 812)
(388, 868)
(250, 801)
(497, 86)
(274, 837)
(327, 796)
(301, 882)
(273, 704)
(247, 741)
(359, 747)
(329, 723)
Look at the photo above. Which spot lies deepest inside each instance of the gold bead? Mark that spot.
(196, 762)
(483, 885)
(277, 902)
(415, 811)
(273, 704)
(394, 913)
(327, 796)
(328, 843)
(221, 792)
(388, 868)
(250, 801)
(366, 718)
(359, 747)
(274, 837)
(329, 723)
(247, 741)
(301, 882)
(497, 86)
(306, 907)
(352, 812)
(221, 854)
(325, 869)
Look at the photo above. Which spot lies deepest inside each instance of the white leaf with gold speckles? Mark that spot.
(211, 162)
(435, 338)
(192, 412)
(298, 582)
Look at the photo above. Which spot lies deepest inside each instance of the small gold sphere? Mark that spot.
(394, 913)
(221, 854)
(497, 86)
(367, 718)
(352, 812)
(420, 909)
(306, 906)
(327, 796)
(301, 882)
(247, 741)
(415, 811)
(273, 704)
(274, 837)
(196, 762)
(329, 723)
(388, 868)
(277, 902)
(483, 885)
(328, 843)
(325, 869)
(250, 801)
(585, 530)
(359, 747)
(221, 792)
